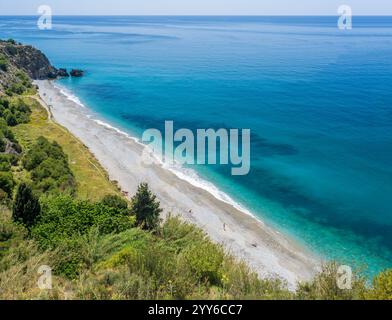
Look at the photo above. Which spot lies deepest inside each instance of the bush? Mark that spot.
(7, 161)
(6, 130)
(41, 151)
(325, 286)
(14, 113)
(26, 208)
(15, 88)
(382, 287)
(63, 218)
(7, 182)
(49, 168)
(3, 143)
(114, 201)
(24, 78)
(205, 260)
(146, 208)
(11, 120)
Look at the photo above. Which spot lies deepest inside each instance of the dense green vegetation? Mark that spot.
(26, 208)
(14, 111)
(48, 165)
(11, 113)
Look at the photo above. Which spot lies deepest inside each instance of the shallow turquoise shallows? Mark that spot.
(317, 99)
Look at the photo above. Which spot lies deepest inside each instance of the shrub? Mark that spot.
(114, 201)
(2, 144)
(52, 174)
(325, 286)
(49, 167)
(24, 78)
(6, 130)
(41, 151)
(14, 113)
(382, 287)
(7, 182)
(16, 88)
(26, 208)
(6, 161)
(63, 218)
(11, 120)
(146, 208)
(205, 260)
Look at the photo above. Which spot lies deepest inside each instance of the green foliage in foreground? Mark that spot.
(63, 218)
(382, 287)
(177, 261)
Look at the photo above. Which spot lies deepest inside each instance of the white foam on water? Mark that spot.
(69, 95)
(186, 174)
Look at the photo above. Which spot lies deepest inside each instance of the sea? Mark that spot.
(317, 99)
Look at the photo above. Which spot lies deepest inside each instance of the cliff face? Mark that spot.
(28, 59)
(19, 64)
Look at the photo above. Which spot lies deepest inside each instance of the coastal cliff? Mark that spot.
(19, 63)
(29, 59)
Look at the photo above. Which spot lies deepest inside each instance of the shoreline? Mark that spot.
(266, 251)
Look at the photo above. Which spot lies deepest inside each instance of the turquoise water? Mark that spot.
(318, 101)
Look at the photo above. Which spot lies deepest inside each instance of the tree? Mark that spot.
(146, 208)
(26, 206)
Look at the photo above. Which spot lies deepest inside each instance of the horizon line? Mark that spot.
(195, 15)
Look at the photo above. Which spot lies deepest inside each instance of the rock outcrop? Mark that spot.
(28, 59)
(62, 73)
(77, 73)
(20, 63)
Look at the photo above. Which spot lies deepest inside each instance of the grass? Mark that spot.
(92, 180)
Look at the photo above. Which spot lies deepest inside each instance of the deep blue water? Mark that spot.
(318, 101)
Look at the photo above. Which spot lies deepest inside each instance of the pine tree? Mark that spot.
(146, 208)
(26, 206)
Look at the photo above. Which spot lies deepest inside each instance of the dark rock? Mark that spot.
(77, 73)
(12, 148)
(62, 72)
(29, 59)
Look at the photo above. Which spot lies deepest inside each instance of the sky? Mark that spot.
(196, 7)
